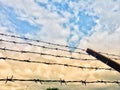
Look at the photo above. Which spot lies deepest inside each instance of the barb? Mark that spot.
(59, 64)
(46, 54)
(42, 46)
(9, 79)
(61, 81)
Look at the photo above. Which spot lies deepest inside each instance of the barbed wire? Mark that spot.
(42, 46)
(24, 38)
(61, 81)
(46, 54)
(110, 54)
(59, 64)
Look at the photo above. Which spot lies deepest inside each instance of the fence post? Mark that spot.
(104, 59)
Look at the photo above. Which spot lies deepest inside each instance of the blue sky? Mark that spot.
(21, 26)
(82, 20)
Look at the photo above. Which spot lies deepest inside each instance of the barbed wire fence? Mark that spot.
(57, 47)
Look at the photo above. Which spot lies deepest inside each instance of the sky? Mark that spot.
(77, 23)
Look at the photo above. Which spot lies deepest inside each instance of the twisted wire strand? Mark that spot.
(42, 46)
(110, 54)
(59, 64)
(46, 54)
(61, 81)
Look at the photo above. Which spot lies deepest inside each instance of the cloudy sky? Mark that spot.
(77, 23)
